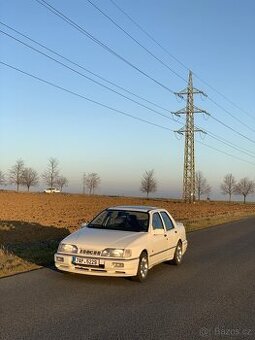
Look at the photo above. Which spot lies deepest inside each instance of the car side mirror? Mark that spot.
(84, 225)
(158, 232)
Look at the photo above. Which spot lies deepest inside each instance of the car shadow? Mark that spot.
(32, 242)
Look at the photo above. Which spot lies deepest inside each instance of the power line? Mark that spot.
(232, 129)
(231, 145)
(178, 60)
(84, 68)
(100, 43)
(225, 97)
(231, 114)
(149, 35)
(136, 41)
(163, 63)
(83, 31)
(225, 153)
(88, 78)
(225, 141)
(209, 133)
(84, 97)
(109, 107)
(98, 82)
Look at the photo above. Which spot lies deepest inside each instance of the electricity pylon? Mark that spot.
(189, 180)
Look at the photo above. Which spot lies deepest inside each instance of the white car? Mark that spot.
(51, 190)
(123, 241)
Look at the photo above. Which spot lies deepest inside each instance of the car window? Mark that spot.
(168, 223)
(124, 220)
(157, 222)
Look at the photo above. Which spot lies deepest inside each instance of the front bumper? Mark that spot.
(107, 266)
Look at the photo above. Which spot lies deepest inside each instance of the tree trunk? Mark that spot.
(229, 198)
(244, 199)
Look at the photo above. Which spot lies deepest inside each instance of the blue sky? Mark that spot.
(213, 38)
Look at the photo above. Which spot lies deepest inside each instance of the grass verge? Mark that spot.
(20, 258)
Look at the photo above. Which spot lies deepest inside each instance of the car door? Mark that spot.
(171, 231)
(159, 242)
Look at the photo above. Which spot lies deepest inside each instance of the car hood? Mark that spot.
(102, 238)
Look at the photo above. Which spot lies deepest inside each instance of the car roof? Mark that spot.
(142, 208)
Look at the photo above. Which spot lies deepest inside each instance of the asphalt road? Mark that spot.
(210, 296)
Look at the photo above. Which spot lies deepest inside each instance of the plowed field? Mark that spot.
(31, 224)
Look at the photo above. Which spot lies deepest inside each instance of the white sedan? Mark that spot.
(51, 190)
(123, 241)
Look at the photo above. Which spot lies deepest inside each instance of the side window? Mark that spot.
(156, 221)
(168, 223)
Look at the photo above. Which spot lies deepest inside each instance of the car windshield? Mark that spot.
(124, 220)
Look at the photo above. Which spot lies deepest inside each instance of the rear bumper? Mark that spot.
(107, 267)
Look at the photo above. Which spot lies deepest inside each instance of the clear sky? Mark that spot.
(215, 39)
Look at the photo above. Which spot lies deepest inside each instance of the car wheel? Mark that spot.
(178, 254)
(143, 268)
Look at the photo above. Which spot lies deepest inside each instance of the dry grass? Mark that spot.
(31, 224)
(12, 264)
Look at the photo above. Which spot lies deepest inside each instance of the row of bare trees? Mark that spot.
(149, 184)
(20, 175)
(229, 185)
(244, 187)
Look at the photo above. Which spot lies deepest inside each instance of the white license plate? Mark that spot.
(86, 261)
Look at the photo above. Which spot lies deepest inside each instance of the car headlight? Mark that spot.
(112, 252)
(67, 248)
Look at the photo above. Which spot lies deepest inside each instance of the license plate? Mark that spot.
(86, 261)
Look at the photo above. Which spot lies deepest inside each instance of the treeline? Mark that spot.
(21, 175)
(229, 186)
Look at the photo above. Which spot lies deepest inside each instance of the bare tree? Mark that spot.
(2, 178)
(202, 187)
(92, 182)
(29, 178)
(148, 183)
(62, 182)
(15, 173)
(228, 186)
(245, 187)
(51, 174)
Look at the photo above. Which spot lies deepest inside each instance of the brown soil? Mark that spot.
(32, 224)
(70, 210)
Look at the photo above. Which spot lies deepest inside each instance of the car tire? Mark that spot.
(177, 260)
(143, 268)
